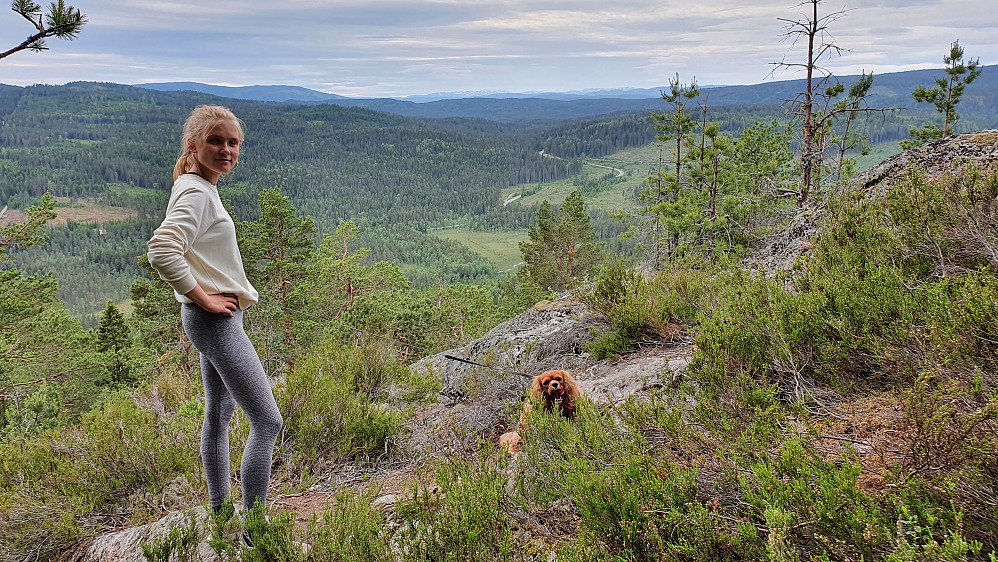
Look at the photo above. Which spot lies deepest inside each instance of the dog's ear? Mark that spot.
(536, 390)
(571, 387)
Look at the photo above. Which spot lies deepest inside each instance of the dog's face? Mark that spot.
(554, 385)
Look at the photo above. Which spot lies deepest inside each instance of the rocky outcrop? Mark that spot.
(550, 335)
(126, 545)
(474, 401)
(478, 403)
(936, 159)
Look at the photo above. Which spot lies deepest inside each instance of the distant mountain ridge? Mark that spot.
(890, 90)
(255, 93)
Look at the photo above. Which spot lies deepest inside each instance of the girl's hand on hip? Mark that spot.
(224, 303)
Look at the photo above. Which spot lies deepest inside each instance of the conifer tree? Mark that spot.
(60, 20)
(665, 186)
(29, 232)
(849, 139)
(562, 248)
(945, 96)
(112, 331)
(276, 251)
(815, 106)
(113, 341)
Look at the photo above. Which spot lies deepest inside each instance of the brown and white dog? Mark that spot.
(557, 390)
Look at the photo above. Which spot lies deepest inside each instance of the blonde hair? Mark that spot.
(200, 121)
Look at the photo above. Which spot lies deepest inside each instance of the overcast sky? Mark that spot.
(380, 48)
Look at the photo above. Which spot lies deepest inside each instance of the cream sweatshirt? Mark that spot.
(196, 244)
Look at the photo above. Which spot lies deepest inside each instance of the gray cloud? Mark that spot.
(399, 47)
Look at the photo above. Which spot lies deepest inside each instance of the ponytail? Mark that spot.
(185, 163)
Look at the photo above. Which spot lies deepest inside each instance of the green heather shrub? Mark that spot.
(607, 344)
(813, 505)
(640, 509)
(255, 536)
(469, 519)
(662, 307)
(179, 545)
(926, 531)
(352, 530)
(53, 486)
(272, 535)
(340, 402)
(631, 500)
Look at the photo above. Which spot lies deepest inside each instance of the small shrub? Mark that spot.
(468, 520)
(179, 545)
(809, 503)
(351, 531)
(272, 537)
(336, 403)
(608, 344)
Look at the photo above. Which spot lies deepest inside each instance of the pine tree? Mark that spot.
(849, 139)
(113, 342)
(112, 331)
(665, 186)
(276, 251)
(815, 105)
(561, 250)
(61, 20)
(945, 96)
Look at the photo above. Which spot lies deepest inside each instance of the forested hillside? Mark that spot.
(394, 176)
(397, 177)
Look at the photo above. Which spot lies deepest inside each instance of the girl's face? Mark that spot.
(218, 151)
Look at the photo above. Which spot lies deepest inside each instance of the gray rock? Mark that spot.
(125, 546)
(548, 336)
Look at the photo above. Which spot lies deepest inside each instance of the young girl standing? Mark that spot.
(195, 252)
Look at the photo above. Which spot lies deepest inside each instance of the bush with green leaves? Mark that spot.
(348, 401)
(630, 497)
(469, 518)
(179, 545)
(351, 531)
(662, 308)
(55, 486)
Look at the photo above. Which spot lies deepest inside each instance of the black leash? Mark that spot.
(393, 340)
(452, 358)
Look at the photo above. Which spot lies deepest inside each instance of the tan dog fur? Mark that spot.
(557, 390)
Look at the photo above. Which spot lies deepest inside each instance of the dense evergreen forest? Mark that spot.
(394, 176)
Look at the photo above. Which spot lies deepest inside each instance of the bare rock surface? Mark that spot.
(936, 159)
(126, 545)
(636, 374)
(550, 335)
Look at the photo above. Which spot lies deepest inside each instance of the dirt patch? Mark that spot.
(80, 210)
(870, 429)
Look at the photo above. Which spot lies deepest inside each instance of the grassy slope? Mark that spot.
(501, 248)
(637, 163)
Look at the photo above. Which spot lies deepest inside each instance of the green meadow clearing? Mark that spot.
(501, 248)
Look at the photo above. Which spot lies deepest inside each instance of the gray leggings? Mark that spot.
(232, 375)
